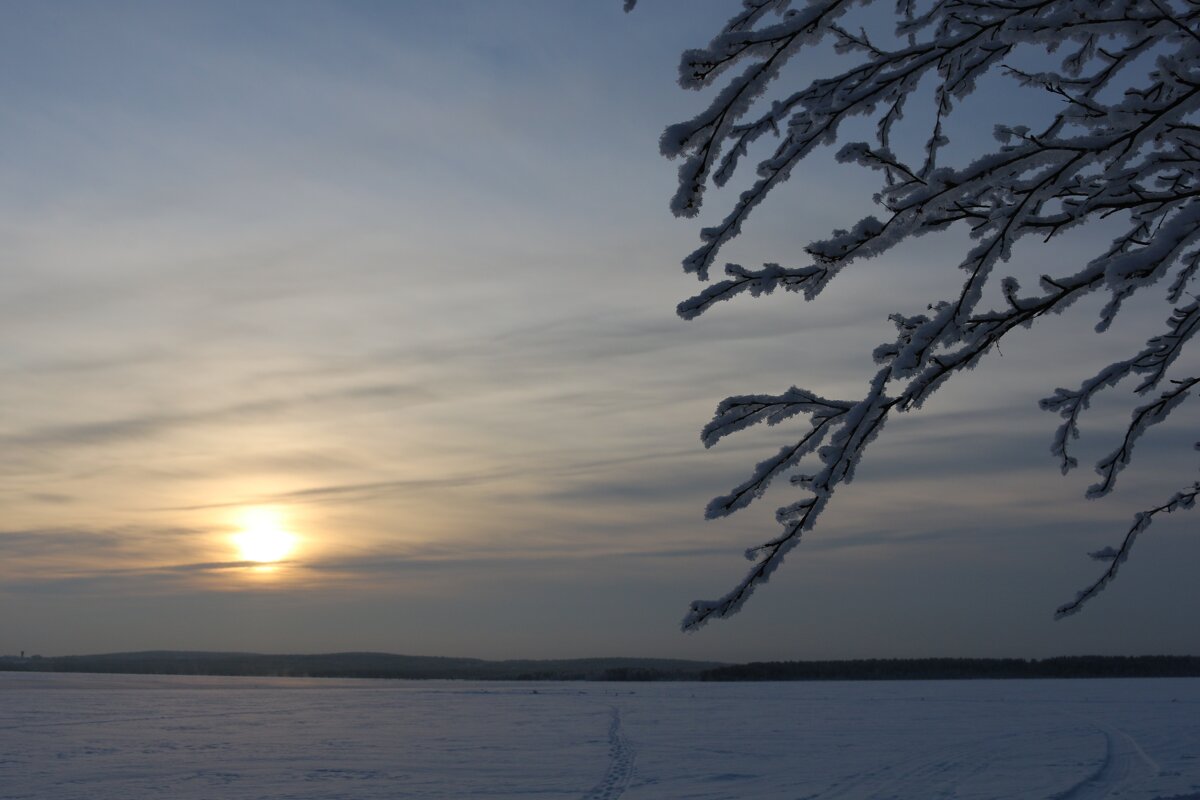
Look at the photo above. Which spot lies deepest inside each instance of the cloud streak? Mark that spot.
(408, 275)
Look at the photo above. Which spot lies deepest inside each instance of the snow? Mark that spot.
(105, 737)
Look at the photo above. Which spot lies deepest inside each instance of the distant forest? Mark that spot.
(960, 668)
(387, 665)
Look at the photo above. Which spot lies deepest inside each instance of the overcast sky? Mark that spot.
(401, 277)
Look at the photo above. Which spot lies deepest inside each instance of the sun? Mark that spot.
(262, 537)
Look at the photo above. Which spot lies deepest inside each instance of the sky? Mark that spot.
(386, 291)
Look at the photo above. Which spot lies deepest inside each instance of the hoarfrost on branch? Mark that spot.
(1124, 146)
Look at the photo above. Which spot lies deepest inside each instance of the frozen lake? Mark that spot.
(102, 737)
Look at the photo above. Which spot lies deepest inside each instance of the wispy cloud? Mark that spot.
(408, 273)
(345, 493)
(153, 424)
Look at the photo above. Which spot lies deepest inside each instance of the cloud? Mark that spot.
(50, 498)
(113, 431)
(346, 493)
(46, 541)
(417, 281)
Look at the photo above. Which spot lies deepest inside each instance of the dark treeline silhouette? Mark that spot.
(961, 668)
(364, 665)
(388, 665)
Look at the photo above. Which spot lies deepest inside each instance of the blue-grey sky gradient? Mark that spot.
(405, 272)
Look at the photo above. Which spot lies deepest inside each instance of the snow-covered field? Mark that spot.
(128, 737)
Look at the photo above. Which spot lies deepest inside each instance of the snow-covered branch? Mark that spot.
(1121, 151)
(1116, 556)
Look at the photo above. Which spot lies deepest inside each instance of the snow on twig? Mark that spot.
(1123, 146)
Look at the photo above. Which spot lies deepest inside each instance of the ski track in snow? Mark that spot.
(126, 720)
(902, 776)
(620, 763)
(100, 738)
(1125, 764)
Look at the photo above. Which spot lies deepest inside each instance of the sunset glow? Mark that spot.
(354, 326)
(263, 537)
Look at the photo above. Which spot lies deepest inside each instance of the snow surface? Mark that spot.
(108, 737)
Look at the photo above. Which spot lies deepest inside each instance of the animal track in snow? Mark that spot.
(620, 763)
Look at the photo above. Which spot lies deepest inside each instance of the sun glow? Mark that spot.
(262, 537)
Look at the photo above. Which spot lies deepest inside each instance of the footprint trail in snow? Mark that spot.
(620, 763)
